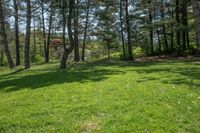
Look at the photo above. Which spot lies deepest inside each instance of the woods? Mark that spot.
(156, 27)
(4, 36)
(196, 11)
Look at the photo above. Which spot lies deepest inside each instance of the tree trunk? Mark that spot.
(16, 3)
(67, 51)
(122, 30)
(34, 42)
(172, 32)
(130, 54)
(151, 33)
(158, 35)
(1, 50)
(178, 34)
(4, 36)
(184, 23)
(108, 48)
(196, 11)
(159, 43)
(63, 64)
(164, 28)
(49, 32)
(187, 31)
(85, 30)
(27, 37)
(76, 41)
(1, 56)
(188, 39)
(44, 32)
(165, 38)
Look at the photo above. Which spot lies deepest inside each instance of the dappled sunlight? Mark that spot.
(39, 78)
(104, 95)
(42, 76)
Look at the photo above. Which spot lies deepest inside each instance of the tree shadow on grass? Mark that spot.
(174, 72)
(14, 72)
(174, 76)
(90, 72)
(44, 79)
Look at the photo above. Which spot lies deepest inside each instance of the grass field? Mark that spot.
(102, 96)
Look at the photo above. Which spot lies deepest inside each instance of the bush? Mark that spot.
(3, 62)
(37, 58)
(138, 52)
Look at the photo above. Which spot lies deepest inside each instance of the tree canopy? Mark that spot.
(96, 28)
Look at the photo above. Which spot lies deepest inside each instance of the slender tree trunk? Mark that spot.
(1, 56)
(1, 50)
(172, 32)
(44, 32)
(63, 64)
(27, 37)
(67, 51)
(188, 39)
(108, 48)
(40, 45)
(34, 42)
(76, 41)
(16, 3)
(40, 38)
(49, 32)
(4, 36)
(184, 23)
(69, 27)
(165, 38)
(151, 33)
(178, 34)
(122, 30)
(85, 30)
(158, 35)
(164, 28)
(130, 54)
(187, 31)
(196, 11)
(159, 43)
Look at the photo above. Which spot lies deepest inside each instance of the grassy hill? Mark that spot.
(102, 96)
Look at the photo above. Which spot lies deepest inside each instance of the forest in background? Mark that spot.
(45, 30)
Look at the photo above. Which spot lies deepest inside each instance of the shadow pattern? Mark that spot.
(93, 72)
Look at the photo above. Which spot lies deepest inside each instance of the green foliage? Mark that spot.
(3, 62)
(138, 51)
(97, 50)
(115, 55)
(38, 58)
(192, 48)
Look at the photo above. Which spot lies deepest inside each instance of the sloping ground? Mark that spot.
(102, 96)
(168, 58)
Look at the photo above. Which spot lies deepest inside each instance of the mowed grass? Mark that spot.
(102, 96)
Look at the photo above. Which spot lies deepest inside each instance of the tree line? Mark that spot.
(155, 27)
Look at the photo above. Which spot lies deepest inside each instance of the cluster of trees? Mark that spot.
(157, 27)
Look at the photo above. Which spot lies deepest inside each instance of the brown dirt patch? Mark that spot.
(166, 58)
(90, 126)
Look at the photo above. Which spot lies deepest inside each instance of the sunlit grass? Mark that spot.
(102, 96)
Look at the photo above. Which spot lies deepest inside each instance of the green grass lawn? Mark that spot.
(102, 96)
